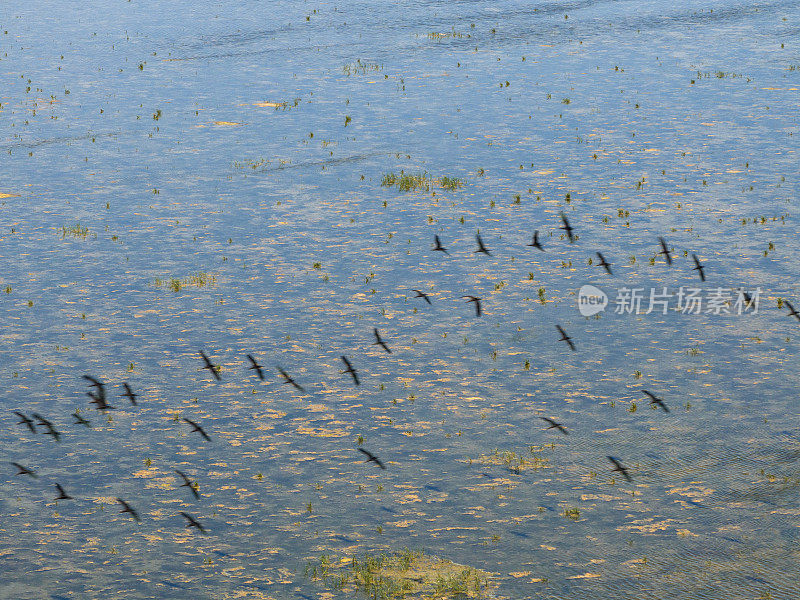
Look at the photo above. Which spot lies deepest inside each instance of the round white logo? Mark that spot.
(591, 300)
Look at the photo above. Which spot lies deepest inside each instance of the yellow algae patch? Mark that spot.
(227, 123)
(403, 523)
(323, 432)
(544, 172)
(648, 526)
(519, 574)
(585, 576)
(7, 195)
(686, 533)
(269, 104)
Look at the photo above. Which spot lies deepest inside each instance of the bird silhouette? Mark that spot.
(129, 393)
(698, 267)
(566, 227)
(79, 420)
(422, 295)
(481, 248)
(192, 522)
(197, 428)
(255, 367)
(618, 468)
(535, 242)
(291, 381)
(604, 264)
(351, 370)
(211, 367)
(126, 508)
(438, 245)
(378, 341)
(94, 382)
(51, 430)
(565, 338)
(665, 250)
(21, 470)
(99, 400)
(792, 311)
(554, 425)
(25, 420)
(372, 458)
(188, 483)
(62, 495)
(477, 301)
(656, 401)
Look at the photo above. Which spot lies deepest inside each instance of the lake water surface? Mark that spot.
(190, 176)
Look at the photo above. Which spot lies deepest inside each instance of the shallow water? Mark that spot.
(247, 142)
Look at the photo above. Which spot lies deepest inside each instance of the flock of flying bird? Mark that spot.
(99, 398)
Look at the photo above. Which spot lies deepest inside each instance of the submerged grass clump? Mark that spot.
(360, 68)
(407, 182)
(176, 284)
(74, 231)
(407, 573)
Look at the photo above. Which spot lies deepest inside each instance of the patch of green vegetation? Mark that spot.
(74, 231)
(407, 573)
(408, 182)
(176, 284)
(572, 514)
(452, 34)
(361, 68)
(513, 461)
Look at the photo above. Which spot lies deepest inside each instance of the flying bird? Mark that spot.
(351, 370)
(79, 420)
(618, 468)
(477, 302)
(288, 379)
(603, 263)
(554, 425)
(51, 430)
(698, 267)
(129, 393)
(99, 400)
(372, 458)
(566, 227)
(665, 250)
(62, 495)
(197, 428)
(127, 509)
(422, 295)
(24, 470)
(438, 247)
(25, 420)
(188, 483)
(565, 338)
(656, 401)
(193, 522)
(535, 242)
(378, 341)
(792, 311)
(94, 382)
(210, 366)
(255, 366)
(481, 248)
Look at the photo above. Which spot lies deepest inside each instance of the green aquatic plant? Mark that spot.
(403, 574)
(176, 284)
(74, 231)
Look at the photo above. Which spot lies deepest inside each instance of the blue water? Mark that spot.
(145, 142)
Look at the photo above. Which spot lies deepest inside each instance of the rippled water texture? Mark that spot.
(190, 176)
